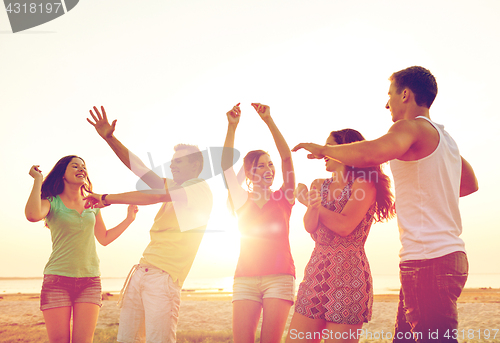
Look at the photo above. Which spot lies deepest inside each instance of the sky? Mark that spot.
(168, 71)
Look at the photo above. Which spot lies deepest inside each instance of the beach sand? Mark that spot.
(479, 310)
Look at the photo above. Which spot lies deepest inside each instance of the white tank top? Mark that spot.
(427, 193)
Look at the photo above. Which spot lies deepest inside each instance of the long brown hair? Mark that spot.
(384, 201)
(53, 184)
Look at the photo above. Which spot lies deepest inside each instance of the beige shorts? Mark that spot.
(257, 288)
(150, 308)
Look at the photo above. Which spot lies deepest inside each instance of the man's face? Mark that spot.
(394, 104)
(182, 169)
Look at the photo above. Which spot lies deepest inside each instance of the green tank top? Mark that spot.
(73, 243)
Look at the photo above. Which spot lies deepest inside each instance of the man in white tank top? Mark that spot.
(429, 176)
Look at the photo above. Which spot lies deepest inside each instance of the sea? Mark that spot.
(382, 284)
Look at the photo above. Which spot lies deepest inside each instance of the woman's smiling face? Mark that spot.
(76, 172)
(263, 172)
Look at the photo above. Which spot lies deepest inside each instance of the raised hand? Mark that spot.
(93, 201)
(102, 126)
(264, 111)
(233, 116)
(35, 172)
(132, 211)
(314, 149)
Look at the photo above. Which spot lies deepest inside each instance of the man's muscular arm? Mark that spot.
(394, 144)
(468, 181)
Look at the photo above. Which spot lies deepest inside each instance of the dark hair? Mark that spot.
(384, 203)
(195, 154)
(250, 162)
(53, 184)
(420, 81)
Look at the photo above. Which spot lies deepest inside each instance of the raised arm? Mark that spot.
(468, 181)
(36, 208)
(134, 163)
(238, 195)
(283, 149)
(104, 237)
(394, 144)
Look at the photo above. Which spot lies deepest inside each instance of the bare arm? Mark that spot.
(468, 181)
(283, 149)
(312, 215)
(134, 163)
(147, 197)
(36, 208)
(311, 218)
(343, 223)
(394, 144)
(104, 237)
(237, 194)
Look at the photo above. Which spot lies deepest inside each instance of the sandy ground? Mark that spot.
(479, 310)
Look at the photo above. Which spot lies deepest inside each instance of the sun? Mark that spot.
(222, 238)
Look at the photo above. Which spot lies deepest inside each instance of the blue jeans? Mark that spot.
(427, 310)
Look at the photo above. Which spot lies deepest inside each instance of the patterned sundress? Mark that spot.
(337, 285)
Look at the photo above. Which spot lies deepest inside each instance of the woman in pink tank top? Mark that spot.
(265, 275)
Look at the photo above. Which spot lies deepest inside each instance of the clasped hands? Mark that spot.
(309, 198)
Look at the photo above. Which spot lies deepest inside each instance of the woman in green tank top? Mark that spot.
(71, 285)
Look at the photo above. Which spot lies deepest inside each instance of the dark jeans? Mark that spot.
(427, 310)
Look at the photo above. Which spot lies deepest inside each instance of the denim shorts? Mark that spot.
(428, 297)
(257, 288)
(63, 291)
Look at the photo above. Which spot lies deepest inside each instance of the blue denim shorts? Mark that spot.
(63, 291)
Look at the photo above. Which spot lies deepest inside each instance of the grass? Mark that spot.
(37, 333)
(109, 336)
(23, 333)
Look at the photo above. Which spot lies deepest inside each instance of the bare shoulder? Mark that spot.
(419, 127)
(421, 135)
(423, 126)
(427, 138)
(406, 126)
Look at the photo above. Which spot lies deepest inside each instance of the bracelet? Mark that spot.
(103, 200)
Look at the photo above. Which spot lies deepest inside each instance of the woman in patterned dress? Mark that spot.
(336, 296)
